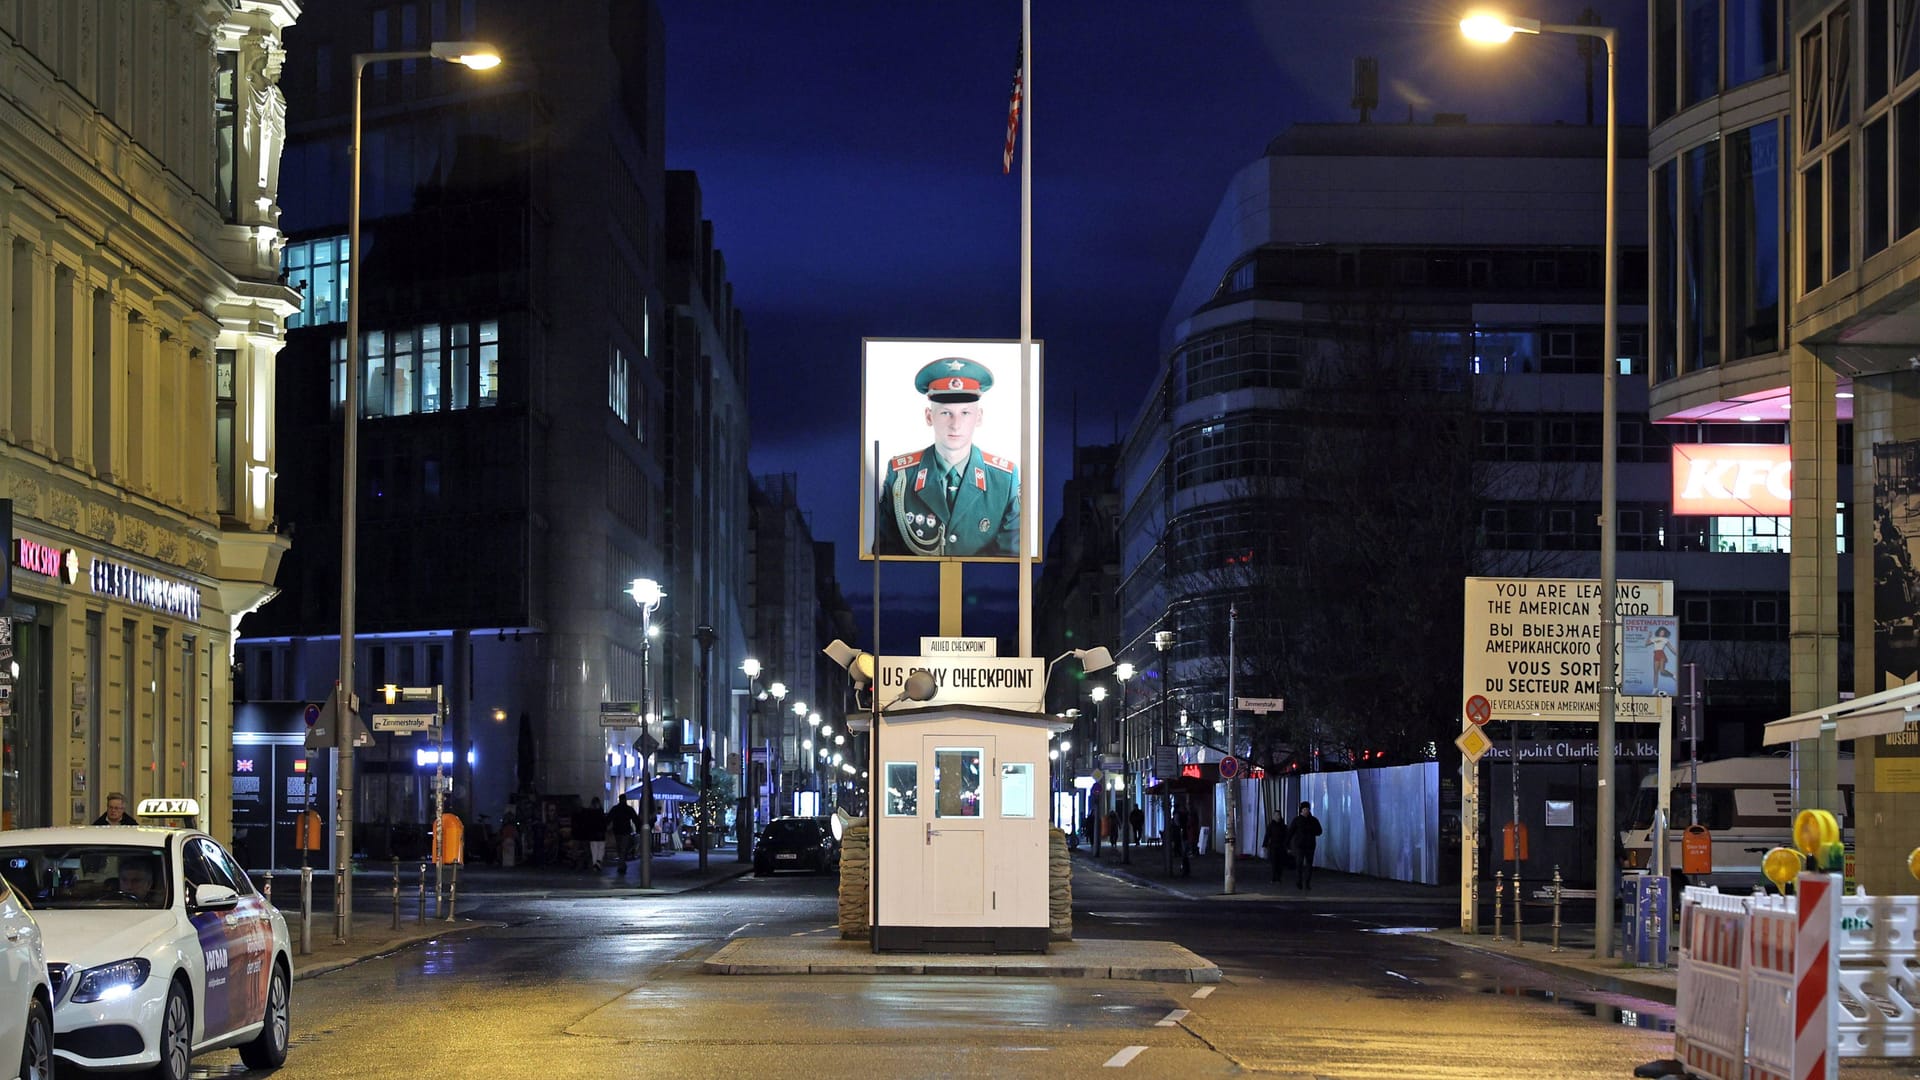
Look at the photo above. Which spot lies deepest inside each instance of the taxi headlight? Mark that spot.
(110, 981)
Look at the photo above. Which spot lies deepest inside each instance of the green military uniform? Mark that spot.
(930, 510)
(927, 509)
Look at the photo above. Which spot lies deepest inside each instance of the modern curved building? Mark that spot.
(1784, 208)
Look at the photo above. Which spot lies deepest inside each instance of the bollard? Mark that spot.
(1499, 900)
(453, 890)
(396, 892)
(306, 910)
(1556, 907)
(1516, 907)
(423, 892)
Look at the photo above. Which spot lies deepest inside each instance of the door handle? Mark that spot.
(931, 833)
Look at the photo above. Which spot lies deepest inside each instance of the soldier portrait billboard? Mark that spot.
(951, 478)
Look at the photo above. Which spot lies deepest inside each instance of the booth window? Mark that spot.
(956, 783)
(1016, 790)
(903, 788)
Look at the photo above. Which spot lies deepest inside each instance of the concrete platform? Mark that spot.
(1151, 961)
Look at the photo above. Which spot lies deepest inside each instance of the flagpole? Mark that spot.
(1029, 460)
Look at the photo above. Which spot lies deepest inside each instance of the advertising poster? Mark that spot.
(946, 415)
(1896, 603)
(1649, 656)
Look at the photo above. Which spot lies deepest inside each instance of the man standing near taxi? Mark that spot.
(116, 812)
(950, 499)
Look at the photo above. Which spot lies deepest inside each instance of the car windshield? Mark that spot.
(793, 831)
(56, 876)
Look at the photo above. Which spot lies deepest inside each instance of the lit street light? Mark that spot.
(749, 791)
(646, 592)
(1488, 28)
(471, 54)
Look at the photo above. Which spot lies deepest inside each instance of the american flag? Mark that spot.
(1013, 108)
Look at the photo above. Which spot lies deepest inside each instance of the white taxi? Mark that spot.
(158, 946)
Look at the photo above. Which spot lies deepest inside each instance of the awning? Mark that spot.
(1861, 718)
(664, 787)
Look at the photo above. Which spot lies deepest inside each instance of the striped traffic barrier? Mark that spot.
(1710, 1018)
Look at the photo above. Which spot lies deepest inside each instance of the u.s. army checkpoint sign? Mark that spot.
(1009, 682)
(1533, 646)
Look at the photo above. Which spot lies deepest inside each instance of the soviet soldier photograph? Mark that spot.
(950, 498)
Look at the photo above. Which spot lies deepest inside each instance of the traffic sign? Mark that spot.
(1473, 742)
(1479, 709)
(403, 723)
(1229, 768)
(311, 714)
(646, 744)
(1262, 704)
(618, 717)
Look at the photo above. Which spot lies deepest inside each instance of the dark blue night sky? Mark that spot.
(849, 153)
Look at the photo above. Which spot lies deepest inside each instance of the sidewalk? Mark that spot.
(1253, 880)
(373, 933)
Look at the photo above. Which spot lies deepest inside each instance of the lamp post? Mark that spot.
(813, 726)
(1099, 695)
(1122, 672)
(705, 635)
(778, 692)
(471, 54)
(1493, 29)
(800, 713)
(1162, 641)
(646, 593)
(749, 792)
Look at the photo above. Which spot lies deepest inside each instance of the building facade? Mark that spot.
(552, 369)
(1785, 281)
(1383, 374)
(140, 322)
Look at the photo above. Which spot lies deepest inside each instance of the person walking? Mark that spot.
(621, 823)
(590, 828)
(1137, 821)
(1277, 844)
(1189, 840)
(1304, 836)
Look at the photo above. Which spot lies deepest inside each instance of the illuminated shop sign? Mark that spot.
(1733, 479)
(53, 562)
(147, 590)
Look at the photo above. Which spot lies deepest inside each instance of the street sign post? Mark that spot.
(1229, 768)
(617, 714)
(1473, 743)
(1479, 710)
(1262, 704)
(403, 723)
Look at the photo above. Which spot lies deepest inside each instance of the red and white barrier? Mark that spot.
(1710, 1022)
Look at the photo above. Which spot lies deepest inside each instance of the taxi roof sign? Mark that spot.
(168, 808)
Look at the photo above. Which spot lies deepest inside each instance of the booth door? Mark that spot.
(954, 876)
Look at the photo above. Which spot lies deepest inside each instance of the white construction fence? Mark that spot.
(1782, 988)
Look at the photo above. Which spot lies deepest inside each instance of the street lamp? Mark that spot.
(706, 636)
(749, 791)
(1099, 749)
(1162, 641)
(778, 692)
(1122, 672)
(477, 56)
(646, 592)
(1489, 28)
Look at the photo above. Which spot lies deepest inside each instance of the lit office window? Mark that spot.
(617, 384)
(489, 363)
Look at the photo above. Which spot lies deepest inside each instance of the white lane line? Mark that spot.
(1171, 1018)
(1205, 991)
(1119, 1060)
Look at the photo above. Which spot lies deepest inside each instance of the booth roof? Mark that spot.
(1876, 714)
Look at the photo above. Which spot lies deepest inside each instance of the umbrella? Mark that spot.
(664, 787)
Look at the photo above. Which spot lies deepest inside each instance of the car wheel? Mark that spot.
(36, 1044)
(268, 1050)
(176, 1036)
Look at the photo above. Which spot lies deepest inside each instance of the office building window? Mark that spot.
(1701, 275)
(1826, 160)
(617, 384)
(226, 114)
(224, 361)
(430, 372)
(318, 268)
(489, 360)
(1753, 231)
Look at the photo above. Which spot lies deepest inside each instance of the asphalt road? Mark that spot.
(611, 987)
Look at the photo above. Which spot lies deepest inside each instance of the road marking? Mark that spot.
(1205, 991)
(1171, 1018)
(1119, 1060)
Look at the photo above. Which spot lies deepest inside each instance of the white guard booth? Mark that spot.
(960, 857)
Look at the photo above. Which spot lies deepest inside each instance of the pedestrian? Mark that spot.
(621, 821)
(1112, 828)
(1093, 829)
(1137, 820)
(950, 498)
(1276, 843)
(1189, 833)
(116, 812)
(590, 827)
(1304, 835)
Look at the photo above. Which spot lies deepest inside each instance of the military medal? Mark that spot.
(986, 525)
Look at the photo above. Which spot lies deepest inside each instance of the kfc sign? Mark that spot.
(1733, 480)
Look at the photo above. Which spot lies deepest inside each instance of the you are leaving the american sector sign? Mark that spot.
(1533, 646)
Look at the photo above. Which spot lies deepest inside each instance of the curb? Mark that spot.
(405, 941)
(1612, 983)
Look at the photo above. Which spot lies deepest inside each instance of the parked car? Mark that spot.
(26, 994)
(796, 843)
(159, 947)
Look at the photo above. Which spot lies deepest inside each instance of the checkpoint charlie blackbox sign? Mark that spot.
(1533, 646)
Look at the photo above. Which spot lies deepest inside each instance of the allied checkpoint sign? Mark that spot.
(1533, 647)
(1008, 682)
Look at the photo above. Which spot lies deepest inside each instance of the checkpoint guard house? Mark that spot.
(960, 852)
